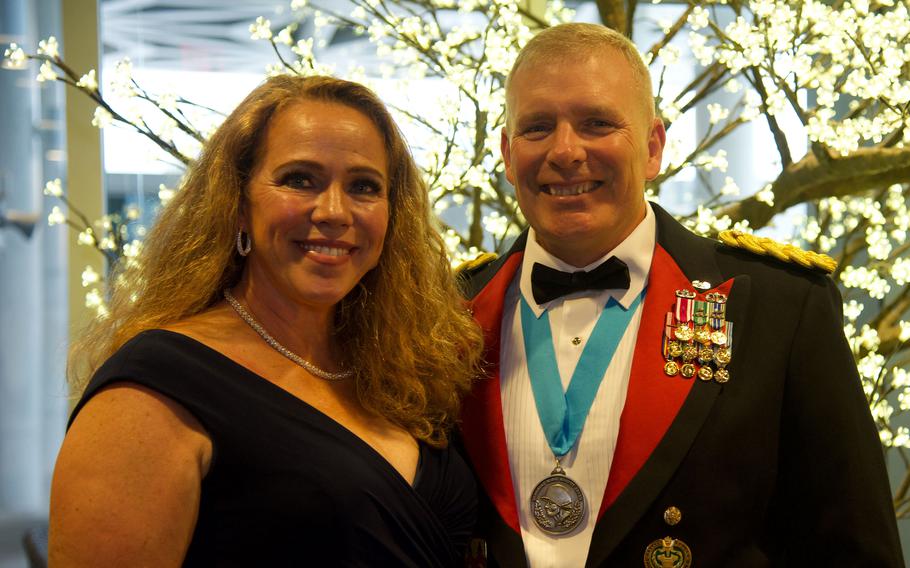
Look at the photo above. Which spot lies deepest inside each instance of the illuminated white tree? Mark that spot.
(841, 68)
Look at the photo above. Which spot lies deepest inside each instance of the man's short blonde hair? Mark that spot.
(556, 44)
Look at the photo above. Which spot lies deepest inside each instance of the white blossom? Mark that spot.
(56, 217)
(895, 199)
(867, 279)
(88, 81)
(132, 248)
(452, 240)
(902, 437)
(716, 113)
(669, 54)
(49, 47)
(46, 72)
(900, 379)
(102, 117)
(716, 162)
(53, 188)
(86, 238)
(905, 330)
(776, 101)
(122, 82)
(285, 36)
(261, 29)
(766, 195)
(495, 224)
(703, 52)
(868, 338)
(304, 48)
(878, 244)
(733, 86)
(14, 57)
(95, 301)
(870, 366)
(165, 194)
(320, 20)
(811, 230)
(93, 298)
(884, 435)
(882, 411)
(826, 243)
(670, 111)
(729, 187)
(698, 18)
(167, 102)
(558, 12)
(90, 277)
(752, 103)
(133, 212)
(852, 310)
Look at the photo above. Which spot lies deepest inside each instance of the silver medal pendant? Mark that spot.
(557, 503)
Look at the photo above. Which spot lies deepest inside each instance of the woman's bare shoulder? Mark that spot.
(139, 411)
(132, 463)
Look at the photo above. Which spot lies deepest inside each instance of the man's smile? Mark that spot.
(570, 189)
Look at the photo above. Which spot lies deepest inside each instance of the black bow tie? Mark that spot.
(547, 283)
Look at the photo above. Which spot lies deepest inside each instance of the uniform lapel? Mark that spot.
(482, 424)
(662, 415)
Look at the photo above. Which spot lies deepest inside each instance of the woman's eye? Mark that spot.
(296, 180)
(366, 187)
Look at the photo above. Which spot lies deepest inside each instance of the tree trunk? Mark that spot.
(613, 15)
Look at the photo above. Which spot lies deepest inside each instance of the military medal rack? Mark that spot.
(698, 339)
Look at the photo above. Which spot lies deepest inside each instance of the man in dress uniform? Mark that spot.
(653, 396)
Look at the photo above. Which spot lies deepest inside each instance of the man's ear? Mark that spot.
(657, 138)
(506, 150)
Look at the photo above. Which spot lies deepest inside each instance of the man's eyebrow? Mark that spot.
(533, 117)
(597, 110)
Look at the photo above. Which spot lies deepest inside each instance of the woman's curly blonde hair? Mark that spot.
(413, 344)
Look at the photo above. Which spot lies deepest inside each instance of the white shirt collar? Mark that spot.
(636, 251)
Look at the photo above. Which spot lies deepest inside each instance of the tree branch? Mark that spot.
(671, 33)
(808, 179)
(779, 138)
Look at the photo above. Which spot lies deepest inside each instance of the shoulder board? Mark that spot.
(470, 266)
(783, 252)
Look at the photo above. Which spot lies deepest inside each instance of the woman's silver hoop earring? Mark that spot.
(244, 249)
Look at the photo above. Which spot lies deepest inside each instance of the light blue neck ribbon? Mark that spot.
(563, 415)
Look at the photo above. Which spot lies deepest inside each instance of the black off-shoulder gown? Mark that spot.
(289, 486)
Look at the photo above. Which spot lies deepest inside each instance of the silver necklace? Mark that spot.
(273, 343)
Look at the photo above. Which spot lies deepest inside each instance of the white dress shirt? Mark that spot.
(588, 462)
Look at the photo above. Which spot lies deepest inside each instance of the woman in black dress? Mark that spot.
(276, 380)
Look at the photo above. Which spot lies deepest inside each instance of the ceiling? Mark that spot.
(213, 35)
(209, 35)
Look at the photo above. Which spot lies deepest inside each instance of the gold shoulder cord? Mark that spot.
(780, 251)
(481, 259)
